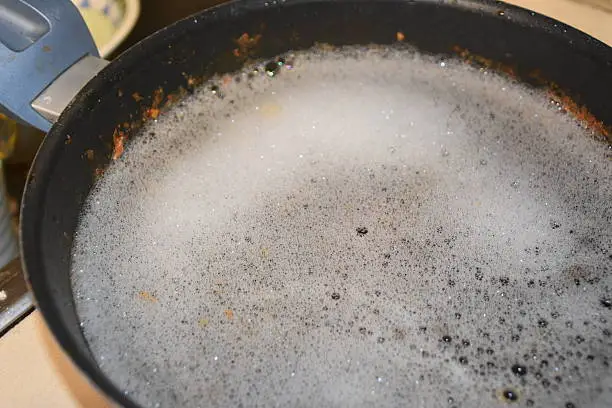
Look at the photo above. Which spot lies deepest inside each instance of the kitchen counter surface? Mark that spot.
(34, 372)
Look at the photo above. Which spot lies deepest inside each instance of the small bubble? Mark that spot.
(272, 68)
(515, 184)
(380, 340)
(519, 370)
(510, 395)
(542, 323)
(446, 339)
(457, 316)
(579, 339)
(335, 296)
(483, 162)
(607, 303)
(570, 405)
(362, 231)
(463, 360)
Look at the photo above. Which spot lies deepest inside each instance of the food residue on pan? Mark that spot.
(270, 109)
(229, 313)
(227, 79)
(581, 113)
(144, 295)
(471, 58)
(154, 111)
(203, 322)
(89, 154)
(137, 97)
(174, 97)
(118, 143)
(246, 44)
(568, 104)
(158, 97)
(192, 81)
(399, 36)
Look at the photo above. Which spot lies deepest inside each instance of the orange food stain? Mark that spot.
(118, 147)
(152, 113)
(245, 43)
(144, 295)
(579, 112)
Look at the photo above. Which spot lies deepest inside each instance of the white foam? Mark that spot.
(478, 197)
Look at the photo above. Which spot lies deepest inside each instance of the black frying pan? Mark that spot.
(530, 47)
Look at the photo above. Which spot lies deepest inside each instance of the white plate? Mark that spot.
(116, 16)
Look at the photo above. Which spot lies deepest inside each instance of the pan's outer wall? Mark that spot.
(63, 172)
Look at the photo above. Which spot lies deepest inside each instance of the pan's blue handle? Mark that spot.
(39, 40)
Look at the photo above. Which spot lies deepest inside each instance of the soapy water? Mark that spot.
(350, 228)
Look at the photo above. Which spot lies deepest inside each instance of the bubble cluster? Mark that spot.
(359, 227)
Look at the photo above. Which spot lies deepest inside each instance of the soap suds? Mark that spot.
(356, 228)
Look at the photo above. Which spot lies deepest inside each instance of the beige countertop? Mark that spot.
(35, 373)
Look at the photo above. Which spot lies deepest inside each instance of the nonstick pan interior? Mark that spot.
(357, 227)
(69, 166)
